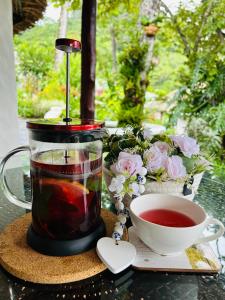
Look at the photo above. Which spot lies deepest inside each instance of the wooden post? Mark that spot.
(88, 59)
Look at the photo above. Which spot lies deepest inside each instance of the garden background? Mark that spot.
(155, 64)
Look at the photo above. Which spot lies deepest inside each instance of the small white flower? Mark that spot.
(121, 178)
(119, 205)
(119, 188)
(116, 185)
(141, 188)
(143, 171)
(134, 187)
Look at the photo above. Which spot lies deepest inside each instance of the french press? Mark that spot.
(66, 179)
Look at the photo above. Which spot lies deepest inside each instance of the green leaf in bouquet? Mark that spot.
(175, 151)
(127, 143)
(109, 160)
(189, 164)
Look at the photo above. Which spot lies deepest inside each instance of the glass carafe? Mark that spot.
(66, 180)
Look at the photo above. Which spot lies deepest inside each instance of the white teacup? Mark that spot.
(171, 240)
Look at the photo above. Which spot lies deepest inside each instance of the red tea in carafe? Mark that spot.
(66, 189)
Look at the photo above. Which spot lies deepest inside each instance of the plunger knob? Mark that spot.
(68, 45)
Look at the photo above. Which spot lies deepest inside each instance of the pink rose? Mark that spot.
(162, 146)
(187, 145)
(155, 159)
(127, 164)
(175, 168)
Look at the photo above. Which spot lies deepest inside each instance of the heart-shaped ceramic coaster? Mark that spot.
(117, 257)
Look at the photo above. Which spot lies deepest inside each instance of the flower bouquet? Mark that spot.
(138, 162)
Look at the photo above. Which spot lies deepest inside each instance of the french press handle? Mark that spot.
(3, 182)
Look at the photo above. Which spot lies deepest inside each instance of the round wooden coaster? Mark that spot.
(23, 262)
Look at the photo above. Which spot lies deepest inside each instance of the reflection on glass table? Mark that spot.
(130, 284)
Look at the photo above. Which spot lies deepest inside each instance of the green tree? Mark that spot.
(201, 100)
(136, 58)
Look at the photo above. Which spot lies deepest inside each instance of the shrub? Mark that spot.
(35, 108)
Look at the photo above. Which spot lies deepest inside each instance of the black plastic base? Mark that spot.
(64, 247)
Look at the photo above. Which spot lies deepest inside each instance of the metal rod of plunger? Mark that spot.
(66, 156)
(67, 86)
(68, 46)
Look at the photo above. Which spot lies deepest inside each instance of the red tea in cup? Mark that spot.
(169, 224)
(166, 217)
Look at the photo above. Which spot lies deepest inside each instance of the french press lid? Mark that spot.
(57, 131)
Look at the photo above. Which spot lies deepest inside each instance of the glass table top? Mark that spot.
(130, 284)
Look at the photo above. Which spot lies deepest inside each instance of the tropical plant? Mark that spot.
(132, 65)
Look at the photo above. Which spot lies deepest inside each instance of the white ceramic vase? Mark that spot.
(167, 187)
